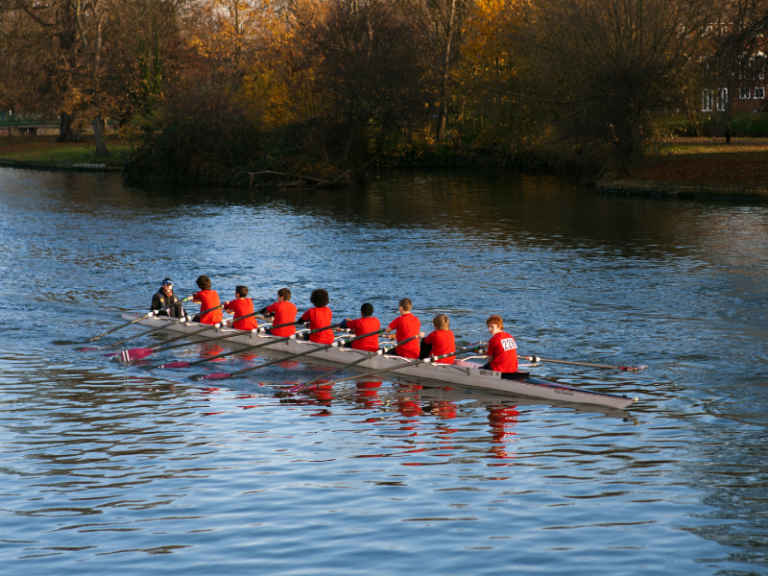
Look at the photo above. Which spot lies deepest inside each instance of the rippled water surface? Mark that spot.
(108, 469)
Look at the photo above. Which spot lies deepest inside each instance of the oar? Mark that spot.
(267, 343)
(225, 375)
(407, 365)
(622, 368)
(141, 353)
(163, 327)
(147, 315)
(308, 385)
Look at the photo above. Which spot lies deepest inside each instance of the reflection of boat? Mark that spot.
(465, 374)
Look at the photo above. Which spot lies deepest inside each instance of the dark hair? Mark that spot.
(285, 293)
(203, 282)
(366, 309)
(405, 304)
(241, 291)
(319, 298)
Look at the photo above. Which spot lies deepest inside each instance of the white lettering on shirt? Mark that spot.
(509, 344)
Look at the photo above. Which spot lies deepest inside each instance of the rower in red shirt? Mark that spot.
(319, 317)
(439, 342)
(284, 311)
(362, 326)
(207, 299)
(241, 306)
(406, 325)
(502, 348)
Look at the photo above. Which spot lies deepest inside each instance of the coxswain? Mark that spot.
(319, 317)
(502, 348)
(406, 325)
(207, 299)
(364, 325)
(241, 306)
(283, 312)
(167, 297)
(439, 342)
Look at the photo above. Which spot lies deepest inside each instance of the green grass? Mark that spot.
(83, 152)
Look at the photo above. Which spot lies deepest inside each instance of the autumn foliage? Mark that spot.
(207, 88)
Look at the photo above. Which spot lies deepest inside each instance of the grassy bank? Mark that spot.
(709, 162)
(42, 149)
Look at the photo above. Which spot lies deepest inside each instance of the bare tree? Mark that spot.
(609, 67)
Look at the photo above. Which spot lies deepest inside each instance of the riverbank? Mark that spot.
(39, 152)
(698, 168)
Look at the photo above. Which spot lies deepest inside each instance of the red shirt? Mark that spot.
(406, 326)
(284, 312)
(242, 307)
(208, 299)
(319, 318)
(503, 348)
(363, 326)
(442, 342)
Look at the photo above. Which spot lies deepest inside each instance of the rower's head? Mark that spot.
(319, 298)
(366, 309)
(203, 282)
(405, 306)
(241, 291)
(495, 324)
(283, 295)
(441, 322)
(167, 286)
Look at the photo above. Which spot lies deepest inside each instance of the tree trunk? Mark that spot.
(68, 131)
(440, 136)
(98, 134)
(351, 137)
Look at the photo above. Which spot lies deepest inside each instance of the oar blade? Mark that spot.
(135, 354)
(88, 349)
(214, 376)
(174, 365)
(632, 368)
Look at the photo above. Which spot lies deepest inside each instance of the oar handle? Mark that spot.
(265, 328)
(147, 315)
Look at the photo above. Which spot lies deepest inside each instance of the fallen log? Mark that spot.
(341, 180)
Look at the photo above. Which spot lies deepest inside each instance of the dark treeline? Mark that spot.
(208, 89)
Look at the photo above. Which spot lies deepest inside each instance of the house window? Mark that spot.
(722, 99)
(759, 93)
(745, 93)
(706, 100)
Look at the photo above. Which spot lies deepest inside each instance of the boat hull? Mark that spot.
(461, 373)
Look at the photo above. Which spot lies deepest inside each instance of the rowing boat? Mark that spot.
(467, 374)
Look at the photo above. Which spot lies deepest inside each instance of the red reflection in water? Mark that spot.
(212, 350)
(502, 418)
(444, 409)
(290, 364)
(368, 394)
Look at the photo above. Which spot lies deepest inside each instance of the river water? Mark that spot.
(114, 469)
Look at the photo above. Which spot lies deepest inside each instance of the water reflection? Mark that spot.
(104, 463)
